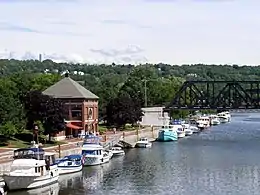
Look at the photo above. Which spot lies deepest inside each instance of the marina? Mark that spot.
(176, 166)
(92, 154)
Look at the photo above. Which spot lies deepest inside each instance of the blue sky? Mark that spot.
(132, 31)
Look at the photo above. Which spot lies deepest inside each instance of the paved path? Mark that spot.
(72, 146)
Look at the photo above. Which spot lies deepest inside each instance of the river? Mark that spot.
(224, 160)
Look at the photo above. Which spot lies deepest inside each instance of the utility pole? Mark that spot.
(145, 93)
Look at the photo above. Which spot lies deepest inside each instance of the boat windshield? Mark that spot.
(71, 158)
(29, 153)
(91, 152)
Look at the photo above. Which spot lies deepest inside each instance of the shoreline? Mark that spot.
(74, 147)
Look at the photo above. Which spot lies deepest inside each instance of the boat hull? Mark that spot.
(97, 160)
(118, 153)
(188, 133)
(69, 169)
(143, 145)
(29, 182)
(167, 136)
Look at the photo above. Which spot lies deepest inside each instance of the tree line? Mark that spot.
(122, 89)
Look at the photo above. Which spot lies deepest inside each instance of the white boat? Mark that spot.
(188, 131)
(214, 120)
(180, 131)
(70, 164)
(93, 153)
(143, 143)
(31, 168)
(224, 117)
(194, 129)
(117, 151)
(203, 122)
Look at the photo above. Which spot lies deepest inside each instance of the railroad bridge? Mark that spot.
(221, 95)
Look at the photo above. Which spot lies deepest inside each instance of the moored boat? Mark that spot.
(117, 151)
(167, 133)
(194, 129)
(180, 131)
(188, 131)
(93, 153)
(203, 122)
(143, 143)
(31, 168)
(214, 120)
(70, 164)
(224, 117)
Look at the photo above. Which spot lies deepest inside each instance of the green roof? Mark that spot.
(68, 88)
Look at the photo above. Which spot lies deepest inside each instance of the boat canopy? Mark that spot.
(29, 153)
(91, 139)
(71, 157)
(176, 122)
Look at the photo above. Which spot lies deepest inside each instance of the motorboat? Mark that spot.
(203, 122)
(93, 153)
(180, 131)
(143, 143)
(194, 129)
(224, 117)
(70, 164)
(214, 120)
(117, 151)
(188, 131)
(167, 133)
(179, 128)
(31, 168)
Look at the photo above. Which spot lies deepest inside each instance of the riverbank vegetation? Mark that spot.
(122, 89)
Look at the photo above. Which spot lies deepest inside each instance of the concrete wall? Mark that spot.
(154, 116)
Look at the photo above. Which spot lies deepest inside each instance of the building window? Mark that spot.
(90, 113)
(76, 112)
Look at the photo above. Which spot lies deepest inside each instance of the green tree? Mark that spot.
(50, 111)
(123, 110)
(11, 110)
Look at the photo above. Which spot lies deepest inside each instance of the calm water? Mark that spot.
(222, 161)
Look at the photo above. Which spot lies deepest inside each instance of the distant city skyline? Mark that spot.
(131, 31)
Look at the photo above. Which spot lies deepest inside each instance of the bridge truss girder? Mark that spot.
(217, 95)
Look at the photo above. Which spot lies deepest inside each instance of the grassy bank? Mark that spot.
(24, 140)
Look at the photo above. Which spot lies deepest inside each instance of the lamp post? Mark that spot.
(145, 93)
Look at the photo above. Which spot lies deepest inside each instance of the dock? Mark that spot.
(129, 139)
(125, 139)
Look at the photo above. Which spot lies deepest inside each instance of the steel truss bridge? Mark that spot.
(221, 95)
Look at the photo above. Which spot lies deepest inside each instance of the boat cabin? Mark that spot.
(70, 160)
(143, 139)
(116, 149)
(203, 119)
(29, 153)
(31, 161)
(91, 139)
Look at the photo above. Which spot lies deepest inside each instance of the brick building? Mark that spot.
(82, 107)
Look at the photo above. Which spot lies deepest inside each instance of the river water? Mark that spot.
(223, 160)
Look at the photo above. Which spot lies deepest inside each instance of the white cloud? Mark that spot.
(132, 31)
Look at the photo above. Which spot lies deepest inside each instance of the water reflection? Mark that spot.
(52, 189)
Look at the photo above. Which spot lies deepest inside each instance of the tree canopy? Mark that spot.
(123, 110)
(119, 88)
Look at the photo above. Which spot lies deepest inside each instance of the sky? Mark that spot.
(132, 31)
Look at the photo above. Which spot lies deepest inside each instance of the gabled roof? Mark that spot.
(68, 88)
